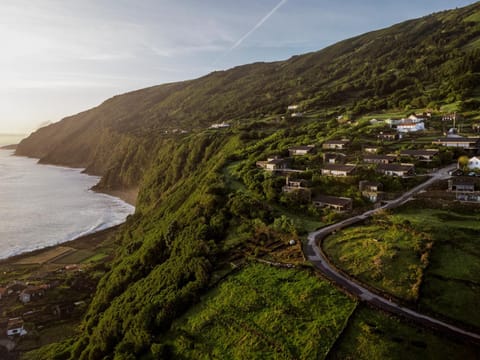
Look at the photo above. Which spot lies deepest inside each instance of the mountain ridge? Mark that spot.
(320, 79)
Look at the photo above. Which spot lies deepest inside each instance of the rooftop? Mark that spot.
(333, 200)
(338, 167)
(395, 167)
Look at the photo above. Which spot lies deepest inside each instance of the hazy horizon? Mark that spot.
(11, 139)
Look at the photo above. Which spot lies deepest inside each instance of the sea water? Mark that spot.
(43, 205)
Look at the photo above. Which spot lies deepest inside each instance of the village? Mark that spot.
(43, 294)
(338, 177)
(399, 151)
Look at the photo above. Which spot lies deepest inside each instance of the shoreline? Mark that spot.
(128, 196)
(92, 239)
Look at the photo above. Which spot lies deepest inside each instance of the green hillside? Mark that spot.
(205, 211)
(426, 62)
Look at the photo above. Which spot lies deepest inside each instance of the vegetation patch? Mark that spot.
(372, 334)
(263, 312)
(387, 254)
(402, 245)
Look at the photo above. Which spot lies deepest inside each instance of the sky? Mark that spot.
(61, 57)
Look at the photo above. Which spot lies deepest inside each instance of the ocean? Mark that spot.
(43, 205)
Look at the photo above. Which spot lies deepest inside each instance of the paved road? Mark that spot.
(315, 254)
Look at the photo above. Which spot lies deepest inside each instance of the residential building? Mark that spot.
(31, 292)
(458, 142)
(426, 155)
(474, 163)
(401, 170)
(301, 150)
(334, 158)
(335, 144)
(379, 159)
(338, 170)
(273, 164)
(15, 327)
(462, 184)
(298, 186)
(410, 127)
(456, 172)
(371, 149)
(333, 202)
(294, 184)
(387, 136)
(222, 125)
(371, 190)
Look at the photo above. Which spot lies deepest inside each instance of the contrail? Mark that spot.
(252, 30)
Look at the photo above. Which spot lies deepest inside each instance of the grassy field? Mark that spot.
(373, 335)
(445, 240)
(263, 312)
(387, 254)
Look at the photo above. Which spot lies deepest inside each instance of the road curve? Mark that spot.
(315, 254)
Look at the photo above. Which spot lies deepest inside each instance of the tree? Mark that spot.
(463, 162)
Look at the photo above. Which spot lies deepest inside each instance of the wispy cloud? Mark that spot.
(251, 31)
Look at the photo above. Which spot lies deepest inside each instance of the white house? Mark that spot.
(474, 163)
(15, 327)
(221, 125)
(300, 150)
(410, 127)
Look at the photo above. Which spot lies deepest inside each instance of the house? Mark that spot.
(31, 293)
(16, 287)
(301, 150)
(458, 142)
(461, 184)
(298, 186)
(474, 163)
(464, 189)
(387, 136)
(333, 202)
(422, 154)
(335, 144)
(456, 172)
(334, 158)
(412, 119)
(379, 159)
(371, 190)
(338, 170)
(221, 125)
(296, 115)
(371, 149)
(417, 118)
(400, 170)
(409, 126)
(15, 327)
(273, 164)
(294, 185)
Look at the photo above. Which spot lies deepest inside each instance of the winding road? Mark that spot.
(315, 254)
